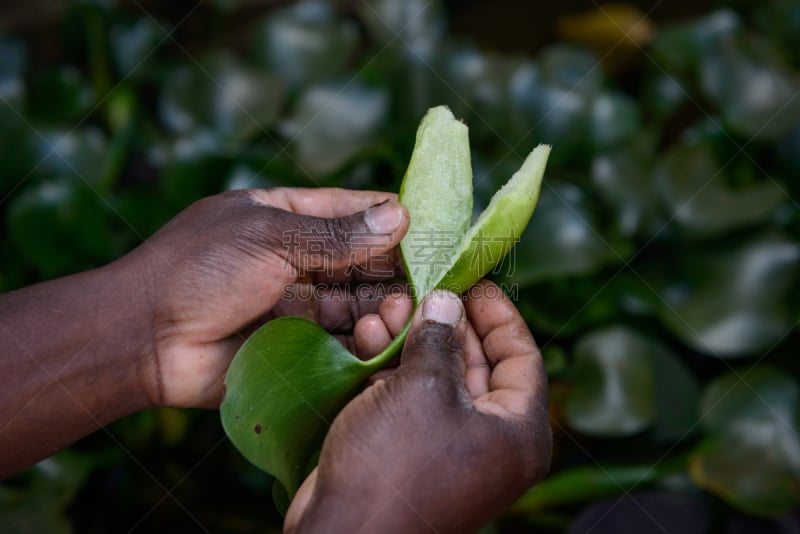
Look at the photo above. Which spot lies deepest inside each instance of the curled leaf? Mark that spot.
(283, 389)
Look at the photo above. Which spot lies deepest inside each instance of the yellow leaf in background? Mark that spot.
(616, 32)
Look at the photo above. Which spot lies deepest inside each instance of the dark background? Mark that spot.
(659, 273)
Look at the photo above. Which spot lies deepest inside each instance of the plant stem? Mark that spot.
(588, 483)
(389, 352)
(98, 53)
(114, 160)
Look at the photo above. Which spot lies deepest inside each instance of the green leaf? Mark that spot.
(763, 393)
(583, 484)
(71, 153)
(567, 306)
(754, 465)
(414, 26)
(304, 43)
(238, 101)
(60, 94)
(752, 456)
(477, 87)
(734, 302)
(18, 154)
(780, 22)
(571, 68)
(556, 100)
(679, 49)
(692, 184)
(133, 45)
(620, 177)
(13, 60)
(60, 226)
(562, 117)
(194, 166)
(624, 382)
(754, 91)
(135, 205)
(437, 191)
(38, 498)
(663, 94)
(563, 239)
(677, 395)
(227, 6)
(334, 122)
(613, 393)
(407, 48)
(614, 119)
(283, 389)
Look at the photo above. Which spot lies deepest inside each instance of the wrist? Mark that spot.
(131, 311)
(358, 508)
(185, 348)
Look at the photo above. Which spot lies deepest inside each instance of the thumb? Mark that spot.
(434, 351)
(322, 244)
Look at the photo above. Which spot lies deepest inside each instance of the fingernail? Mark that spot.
(384, 218)
(442, 307)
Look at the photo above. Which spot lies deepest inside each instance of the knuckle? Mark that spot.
(434, 358)
(338, 233)
(260, 226)
(433, 340)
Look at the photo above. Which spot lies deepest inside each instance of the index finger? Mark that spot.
(518, 382)
(325, 202)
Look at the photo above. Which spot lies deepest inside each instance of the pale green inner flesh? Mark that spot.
(437, 191)
(440, 248)
(441, 206)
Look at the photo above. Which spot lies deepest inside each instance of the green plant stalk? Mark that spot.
(379, 361)
(114, 160)
(583, 484)
(98, 53)
(499, 226)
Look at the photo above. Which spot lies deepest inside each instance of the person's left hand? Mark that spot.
(223, 265)
(447, 441)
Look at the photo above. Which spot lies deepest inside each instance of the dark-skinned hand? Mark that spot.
(223, 266)
(452, 437)
(160, 326)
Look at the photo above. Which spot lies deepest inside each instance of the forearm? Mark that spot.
(75, 354)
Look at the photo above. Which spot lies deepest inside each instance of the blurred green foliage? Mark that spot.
(659, 273)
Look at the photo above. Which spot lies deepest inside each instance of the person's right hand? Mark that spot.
(449, 440)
